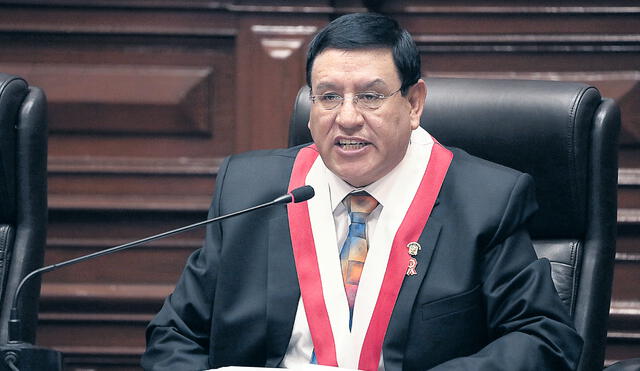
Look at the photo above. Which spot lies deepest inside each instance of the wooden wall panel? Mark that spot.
(147, 96)
(271, 67)
(134, 99)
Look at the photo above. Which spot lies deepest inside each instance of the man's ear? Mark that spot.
(416, 97)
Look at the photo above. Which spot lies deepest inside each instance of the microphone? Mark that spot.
(18, 352)
(299, 194)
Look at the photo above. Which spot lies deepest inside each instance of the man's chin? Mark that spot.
(356, 180)
(356, 173)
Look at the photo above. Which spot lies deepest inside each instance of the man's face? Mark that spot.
(359, 145)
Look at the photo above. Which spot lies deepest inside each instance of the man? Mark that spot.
(410, 256)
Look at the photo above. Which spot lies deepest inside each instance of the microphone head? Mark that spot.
(302, 194)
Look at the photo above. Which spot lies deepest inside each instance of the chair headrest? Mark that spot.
(12, 92)
(538, 127)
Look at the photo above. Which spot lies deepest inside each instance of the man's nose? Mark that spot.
(349, 114)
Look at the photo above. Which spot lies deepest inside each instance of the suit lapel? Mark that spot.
(396, 336)
(283, 291)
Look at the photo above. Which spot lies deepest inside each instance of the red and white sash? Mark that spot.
(308, 270)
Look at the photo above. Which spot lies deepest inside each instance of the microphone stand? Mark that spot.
(18, 355)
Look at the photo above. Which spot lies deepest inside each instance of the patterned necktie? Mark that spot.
(354, 251)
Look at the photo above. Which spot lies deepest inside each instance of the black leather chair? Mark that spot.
(23, 198)
(563, 134)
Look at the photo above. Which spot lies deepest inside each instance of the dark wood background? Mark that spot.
(147, 96)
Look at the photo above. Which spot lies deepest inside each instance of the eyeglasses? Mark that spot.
(366, 101)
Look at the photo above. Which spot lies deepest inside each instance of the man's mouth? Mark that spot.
(351, 144)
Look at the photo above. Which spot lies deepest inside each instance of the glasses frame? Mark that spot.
(355, 99)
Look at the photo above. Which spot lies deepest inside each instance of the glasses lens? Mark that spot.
(369, 100)
(329, 101)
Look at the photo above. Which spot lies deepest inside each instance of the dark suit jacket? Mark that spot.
(480, 301)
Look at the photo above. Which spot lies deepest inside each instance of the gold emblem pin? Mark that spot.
(414, 247)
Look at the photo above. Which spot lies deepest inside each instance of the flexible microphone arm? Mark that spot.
(297, 195)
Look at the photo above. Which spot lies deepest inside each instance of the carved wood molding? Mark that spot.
(67, 32)
(233, 6)
(117, 18)
(623, 336)
(529, 43)
(629, 177)
(108, 355)
(67, 167)
(593, 77)
(336, 6)
(88, 165)
(628, 258)
(529, 9)
(625, 309)
(119, 203)
(101, 317)
(133, 99)
(142, 294)
(103, 243)
(629, 216)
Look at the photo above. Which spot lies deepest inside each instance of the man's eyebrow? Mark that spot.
(377, 83)
(325, 86)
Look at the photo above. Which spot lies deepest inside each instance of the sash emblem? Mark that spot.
(413, 247)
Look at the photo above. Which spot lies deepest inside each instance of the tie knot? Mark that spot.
(361, 202)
